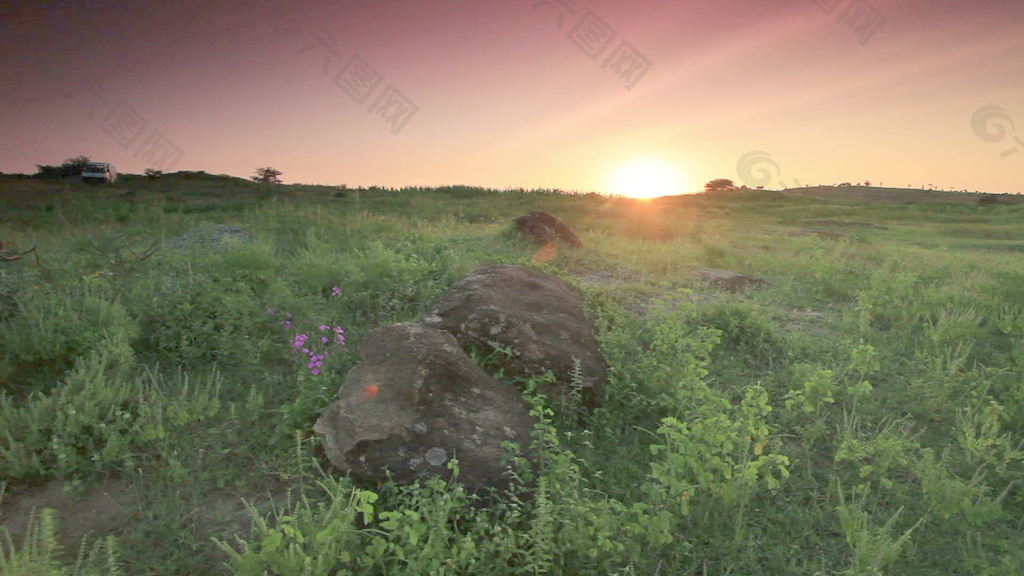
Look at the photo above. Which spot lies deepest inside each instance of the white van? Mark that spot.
(99, 172)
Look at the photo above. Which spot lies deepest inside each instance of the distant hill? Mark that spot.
(899, 195)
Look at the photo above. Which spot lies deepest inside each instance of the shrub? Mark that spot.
(69, 168)
(56, 328)
(212, 311)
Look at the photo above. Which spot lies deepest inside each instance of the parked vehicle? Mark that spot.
(99, 173)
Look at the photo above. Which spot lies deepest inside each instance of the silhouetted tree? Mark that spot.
(267, 176)
(68, 168)
(719, 185)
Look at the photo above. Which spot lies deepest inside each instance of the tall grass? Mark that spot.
(860, 414)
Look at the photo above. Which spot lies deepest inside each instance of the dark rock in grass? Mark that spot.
(545, 228)
(730, 281)
(213, 237)
(415, 402)
(528, 323)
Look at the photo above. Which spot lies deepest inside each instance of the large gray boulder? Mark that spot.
(415, 402)
(528, 322)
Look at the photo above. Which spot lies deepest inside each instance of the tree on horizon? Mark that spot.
(267, 175)
(719, 185)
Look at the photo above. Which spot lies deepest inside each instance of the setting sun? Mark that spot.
(645, 178)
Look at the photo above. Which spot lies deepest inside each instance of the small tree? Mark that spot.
(153, 173)
(267, 176)
(68, 168)
(719, 185)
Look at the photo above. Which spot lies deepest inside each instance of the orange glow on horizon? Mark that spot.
(647, 178)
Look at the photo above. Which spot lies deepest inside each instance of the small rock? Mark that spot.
(545, 228)
(730, 281)
(214, 237)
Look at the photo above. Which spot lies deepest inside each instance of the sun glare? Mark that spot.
(645, 178)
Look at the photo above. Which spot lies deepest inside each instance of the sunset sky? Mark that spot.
(523, 93)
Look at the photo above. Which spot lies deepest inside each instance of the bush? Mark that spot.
(69, 168)
(56, 328)
(206, 318)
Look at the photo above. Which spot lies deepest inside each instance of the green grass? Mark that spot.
(861, 414)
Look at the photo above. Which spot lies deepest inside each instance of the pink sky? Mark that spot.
(504, 98)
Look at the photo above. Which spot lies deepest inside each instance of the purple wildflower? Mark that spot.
(336, 291)
(316, 352)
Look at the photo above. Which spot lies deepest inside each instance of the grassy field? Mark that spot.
(861, 414)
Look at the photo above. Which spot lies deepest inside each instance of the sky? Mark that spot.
(591, 95)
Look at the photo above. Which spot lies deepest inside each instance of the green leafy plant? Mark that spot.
(39, 554)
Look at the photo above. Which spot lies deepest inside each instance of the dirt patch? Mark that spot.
(102, 510)
(606, 277)
(826, 234)
(113, 507)
(806, 321)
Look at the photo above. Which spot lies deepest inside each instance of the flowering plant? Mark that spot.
(328, 337)
(318, 349)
